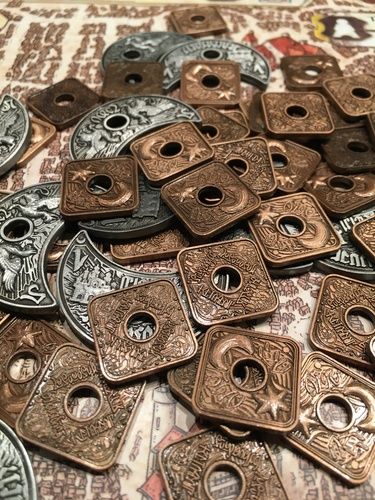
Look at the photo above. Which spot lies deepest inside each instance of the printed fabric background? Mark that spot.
(42, 44)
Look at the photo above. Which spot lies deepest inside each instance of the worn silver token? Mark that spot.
(142, 47)
(108, 129)
(349, 260)
(30, 221)
(15, 132)
(253, 66)
(17, 479)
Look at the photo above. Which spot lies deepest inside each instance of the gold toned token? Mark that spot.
(336, 425)
(189, 467)
(198, 21)
(141, 330)
(308, 72)
(293, 228)
(42, 134)
(363, 233)
(249, 379)
(219, 127)
(165, 154)
(336, 326)
(74, 413)
(226, 282)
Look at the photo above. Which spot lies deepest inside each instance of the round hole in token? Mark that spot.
(290, 225)
(211, 54)
(249, 374)
(197, 18)
(357, 146)
(239, 165)
(312, 71)
(171, 149)
(131, 54)
(226, 279)
(341, 183)
(222, 473)
(83, 402)
(133, 79)
(361, 320)
(210, 131)
(279, 160)
(23, 366)
(296, 111)
(99, 184)
(116, 122)
(361, 93)
(16, 229)
(141, 326)
(64, 99)
(210, 81)
(335, 412)
(210, 196)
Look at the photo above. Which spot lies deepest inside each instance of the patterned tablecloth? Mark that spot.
(41, 44)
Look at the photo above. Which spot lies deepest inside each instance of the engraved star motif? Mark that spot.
(226, 94)
(188, 193)
(82, 175)
(271, 402)
(27, 339)
(266, 214)
(195, 151)
(305, 421)
(318, 181)
(287, 179)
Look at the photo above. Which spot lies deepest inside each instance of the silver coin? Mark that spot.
(17, 479)
(108, 129)
(349, 260)
(254, 67)
(15, 132)
(30, 221)
(142, 47)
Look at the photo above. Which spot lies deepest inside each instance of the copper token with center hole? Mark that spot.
(308, 72)
(219, 127)
(42, 133)
(198, 21)
(363, 233)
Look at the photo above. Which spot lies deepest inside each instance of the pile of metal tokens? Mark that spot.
(238, 192)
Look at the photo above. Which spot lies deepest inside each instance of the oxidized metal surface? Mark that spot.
(109, 129)
(90, 436)
(353, 96)
(198, 21)
(99, 188)
(42, 133)
(63, 103)
(363, 234)
(248, 378)
(210, 199)
(165, 154)
(15, 132)
(132, 78)
(250, 159)
(163, 245)
(341, 195)
(341, 123)
(26, 347)
(332, 329)
(219, 127)
(17, 479)
(254, 67)
(293, 228)
(211, 83)
(308, 72)
(29, 223)
(187, 465)
(346, 450)
(370, 123)
(296, 114)
(125, 354)
(226, 282)
(293, 164)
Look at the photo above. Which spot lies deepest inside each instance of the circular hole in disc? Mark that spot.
(23, 366)
(279, 160)
(83, 402)
(131, 54)
(291, 225)
(133, 79)
(210, 131)
(141, 326)
(64, 99)
(227, 279)
(197, 18)
(170, 149)
(361, 93)
(116, 122)
(99, 184)
(248, 374)
(17, 229)
(211, 54)
(296, 111)
(334, 413)
(224, 483)
(239, 165)
(210, 196)
(211, 81)
(361, 320)
(312, 71)
(357, 146)
(341, 183)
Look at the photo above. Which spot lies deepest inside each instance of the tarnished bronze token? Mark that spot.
(212, 83)
(308, 72)
(363, 233)
(210, 199)
(250, 160)
(198, 21)
(353, 96)
(341, 195)
(341, 123)
(99, 188)
(74, 413)
(248, 378)
(296, 114)
(235, 114)
(336, 424)
(336, 326)
(226, 282)
(370, 123)
(189, 467)
(127, 78)
(26, 347)
(293, 228)
(165, 154)
(64, 103)
(254, 113)
(42, 133)
(293, 164)
(141, 330)
(219, 127)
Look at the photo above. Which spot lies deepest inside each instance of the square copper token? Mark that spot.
(293, 164)
(293, 228)
(99, 188)
(363, 233)
(42, 134)
(353, 96)
(226, 282)
(132, 78)
(165, 154)
(341, 195)
(248, 378)
(198, 21)
(336, 425)
(74, 413)
(26, 347)
(308, 72)
(336, 326)
(212, 83)
(296, 114)
(341, 123)
(218, 127)
(250, 159)
(141, 330)
(189, 465)
(210, 199)
(64, 103)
